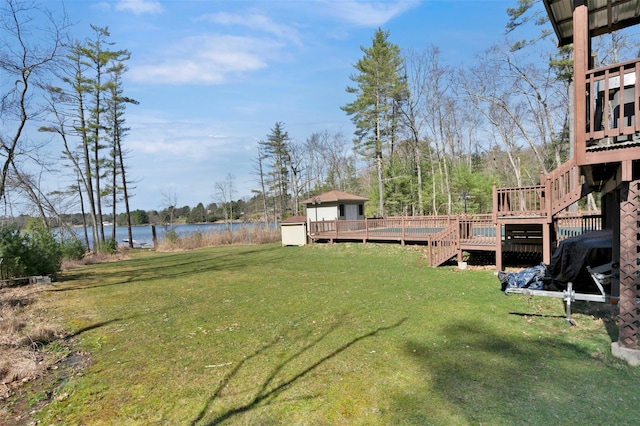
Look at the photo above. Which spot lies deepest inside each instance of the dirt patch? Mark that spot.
(35, 356)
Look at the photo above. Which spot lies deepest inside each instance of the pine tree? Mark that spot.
(380, 88)
(276, 149)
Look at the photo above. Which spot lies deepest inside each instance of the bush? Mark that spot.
(45, 252)
(13, 251)
(172, 236)
(33, 251)
(73, 249)
(109, 245)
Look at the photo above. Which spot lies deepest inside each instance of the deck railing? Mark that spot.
(418, 228)
(444, 245)
(558, 190)
(564, 186)
(445, 236)
(572, 224)
(522, 201)
(477, 229)
(605, 116)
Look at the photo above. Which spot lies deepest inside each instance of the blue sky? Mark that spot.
(213, 77)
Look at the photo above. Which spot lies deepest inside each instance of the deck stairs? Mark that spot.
(566, 185)
(522, 211)
(445, 244)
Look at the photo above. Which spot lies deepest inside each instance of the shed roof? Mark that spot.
(332, 197)
(604, 16)
(294, 219)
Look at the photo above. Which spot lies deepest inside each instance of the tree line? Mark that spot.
(430, 138)
(434, 138)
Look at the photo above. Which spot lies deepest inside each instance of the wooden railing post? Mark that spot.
(495, 202)
(366, 229)
(458, 237)
(548, 199)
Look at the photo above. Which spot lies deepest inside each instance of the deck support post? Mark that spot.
(629, 322)
(459, 238)
(546, 243)
(498, 247)
(581, 55)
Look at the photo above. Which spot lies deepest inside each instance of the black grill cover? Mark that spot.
(570, 260)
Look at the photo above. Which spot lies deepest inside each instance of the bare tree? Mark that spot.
(170, 200)
(295, 161)
(330, 163)
(30, 42)
(225, 191)
(530, 97)
(258, 169)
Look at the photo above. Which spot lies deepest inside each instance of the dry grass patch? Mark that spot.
(95, 258)
(239, 236)
(24, 331)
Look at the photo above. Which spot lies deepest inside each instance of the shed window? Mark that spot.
(341, 210)
(360, 209)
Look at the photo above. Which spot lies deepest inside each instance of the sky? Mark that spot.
(212, 77)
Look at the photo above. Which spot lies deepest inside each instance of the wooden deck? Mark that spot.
(449, 236)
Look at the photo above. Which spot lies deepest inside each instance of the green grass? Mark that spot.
(328, 334)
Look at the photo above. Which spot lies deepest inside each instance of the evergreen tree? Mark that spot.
(380, 89)
(116, 104)
(276, 149)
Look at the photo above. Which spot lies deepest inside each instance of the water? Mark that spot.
(142, 235)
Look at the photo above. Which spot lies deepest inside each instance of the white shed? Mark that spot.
(294, 231)
(334, 205)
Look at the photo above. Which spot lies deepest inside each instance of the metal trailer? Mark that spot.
(600, 275)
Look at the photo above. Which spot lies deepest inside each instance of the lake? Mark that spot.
(142, 234)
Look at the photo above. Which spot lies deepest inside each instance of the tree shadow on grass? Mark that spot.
(477, 374)
(605, 312)
(166, 267)
(266, 392)
(92, 327)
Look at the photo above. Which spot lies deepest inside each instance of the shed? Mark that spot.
(294, 231)
(334, 205)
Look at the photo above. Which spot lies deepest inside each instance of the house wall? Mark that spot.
(351, 212)
(331, 211)
(321, 212)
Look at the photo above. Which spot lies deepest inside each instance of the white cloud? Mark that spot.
(206, 59)
(255, 22)
(369, 13)
(191, 140)
(139, 7)
(185, 155)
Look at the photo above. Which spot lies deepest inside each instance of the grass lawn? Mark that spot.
(328, 334)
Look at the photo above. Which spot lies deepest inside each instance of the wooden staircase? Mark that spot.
(566, 185)
(445, 244)
(523, 217)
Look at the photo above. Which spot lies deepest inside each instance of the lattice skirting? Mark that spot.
(629, 254)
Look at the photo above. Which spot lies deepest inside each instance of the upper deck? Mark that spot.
(612, 105)
(607, 99)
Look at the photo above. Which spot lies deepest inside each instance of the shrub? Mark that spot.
(35, 251)
(13, 251)
(72, 249)
(172, 236)
(45, 252)
(109, 246)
